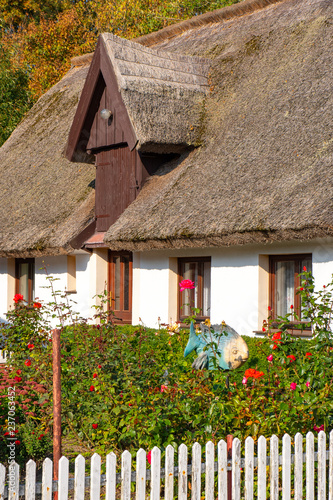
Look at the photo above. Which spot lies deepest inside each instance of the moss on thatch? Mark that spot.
(264, 172)
(45, 200)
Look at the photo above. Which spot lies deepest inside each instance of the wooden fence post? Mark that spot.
(229, 456)
(56, 405)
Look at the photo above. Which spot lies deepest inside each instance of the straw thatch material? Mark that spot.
(163, 93)
(265, 171)
(45, 200)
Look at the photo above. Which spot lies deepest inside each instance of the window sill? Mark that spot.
(290, 328)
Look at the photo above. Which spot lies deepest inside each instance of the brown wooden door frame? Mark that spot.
(121, 315)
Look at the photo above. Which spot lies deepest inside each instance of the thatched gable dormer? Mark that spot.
(156, 99)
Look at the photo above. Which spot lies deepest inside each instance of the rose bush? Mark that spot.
(130, 387)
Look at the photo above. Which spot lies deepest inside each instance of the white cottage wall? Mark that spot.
(3, 288)
(236, 273)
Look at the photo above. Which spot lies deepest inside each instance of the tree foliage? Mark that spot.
(39, 38)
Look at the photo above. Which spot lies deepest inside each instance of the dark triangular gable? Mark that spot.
(89, 130)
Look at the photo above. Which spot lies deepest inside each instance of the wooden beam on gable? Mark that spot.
(100, 75)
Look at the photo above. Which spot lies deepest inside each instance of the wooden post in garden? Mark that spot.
(229, 457)
(56, 405)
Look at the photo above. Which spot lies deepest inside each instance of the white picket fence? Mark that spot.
(249, 477)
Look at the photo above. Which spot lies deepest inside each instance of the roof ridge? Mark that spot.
(229, 12)
(226, 13)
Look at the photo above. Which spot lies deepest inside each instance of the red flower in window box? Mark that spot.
(17, 298)
(186, 285)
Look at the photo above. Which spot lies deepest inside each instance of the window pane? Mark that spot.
(284, 287)
(126, 283)
(24, 280)
(116, 262)
(206, 290)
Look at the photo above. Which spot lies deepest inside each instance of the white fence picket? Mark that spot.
(314, 488)
(321, 466)
(310, 466)
(30, 480)
(169, 472)
(47, 479)
(79, 477)
(236, 460)
(274, 467)
(95, 477)
(298, 469)
(249, 468)
(330, 469)
(63, 479)
(222, 462)
(126, 465)
(209, 483)
(2, 481)
(141, 467)
(286, 467)
(13, 481)
(196, 472)
(155, 479)
(262, 451)
(182, 472)
(111, 478)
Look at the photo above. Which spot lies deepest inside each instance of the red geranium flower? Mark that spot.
(17, 298)
(37, 305)
(91, 388)
(94, 426)
(27, 362)
(186, 285)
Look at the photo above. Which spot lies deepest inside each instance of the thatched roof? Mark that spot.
(161, 93)
(264, 172)
(45, 200)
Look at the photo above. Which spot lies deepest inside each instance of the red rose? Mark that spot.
(263, 329)
(301, 289)
(18, 379)
(27, 362)
(91, 388)
(6, 433)
(31, 346)
(304, 269)
(94, 375)
(291, 357)
(269, 308)
(308, 354)
(37, 305)
(99, 366)
(18, 372)
(17, 298)
(17, 442)
(291, 307)
(149, 457)
(186, 285)
(41, 436)
(94, 426)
